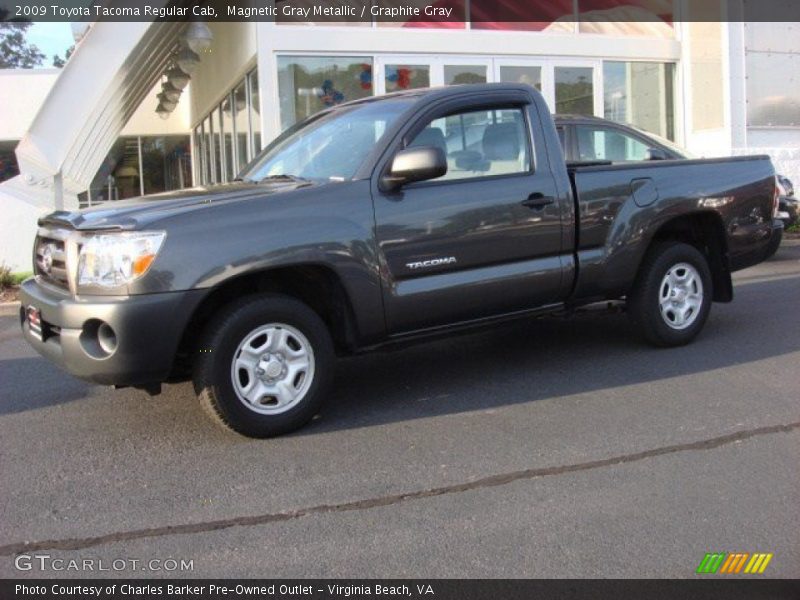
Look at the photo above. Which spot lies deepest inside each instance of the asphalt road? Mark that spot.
(554, 448)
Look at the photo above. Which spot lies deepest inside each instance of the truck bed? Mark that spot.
(617, 205)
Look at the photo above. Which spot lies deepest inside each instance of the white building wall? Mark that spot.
(779, 45)
(23, 92)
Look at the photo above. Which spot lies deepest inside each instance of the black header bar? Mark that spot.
(533, 15)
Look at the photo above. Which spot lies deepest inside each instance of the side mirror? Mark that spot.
(415, 164)
(656, 154)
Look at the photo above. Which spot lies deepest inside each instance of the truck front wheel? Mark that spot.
(671, 297)
(264, 366)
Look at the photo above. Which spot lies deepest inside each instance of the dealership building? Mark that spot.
(708, 80)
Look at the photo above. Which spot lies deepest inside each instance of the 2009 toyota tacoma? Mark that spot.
(376, 221)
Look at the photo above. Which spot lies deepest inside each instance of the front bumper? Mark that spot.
(148, 329)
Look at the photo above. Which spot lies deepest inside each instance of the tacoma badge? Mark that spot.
(434, 262)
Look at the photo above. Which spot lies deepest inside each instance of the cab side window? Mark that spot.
(479, 143)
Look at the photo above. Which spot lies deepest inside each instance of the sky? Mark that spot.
(51, 38)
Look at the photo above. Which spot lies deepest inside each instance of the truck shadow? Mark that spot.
(550, 358)
(31, 383)
(510, 364)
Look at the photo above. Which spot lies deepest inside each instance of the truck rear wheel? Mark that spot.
(264, 366)
(671, 297)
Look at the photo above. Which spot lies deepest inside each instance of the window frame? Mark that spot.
(464, 105)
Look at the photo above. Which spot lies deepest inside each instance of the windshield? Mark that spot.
(331, 146)
(679, 150)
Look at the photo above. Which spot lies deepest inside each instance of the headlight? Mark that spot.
(115, 259)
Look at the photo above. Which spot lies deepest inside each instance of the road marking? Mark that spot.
(366, 504)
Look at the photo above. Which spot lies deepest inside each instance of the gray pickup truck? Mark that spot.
(374, 222)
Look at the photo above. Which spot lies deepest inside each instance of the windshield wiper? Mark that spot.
(284, 177)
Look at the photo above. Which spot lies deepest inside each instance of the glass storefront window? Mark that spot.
(230, 136)
(242, 122)
(227, 137)
(207, 153)
(197, 152)
(642, 94)
(254, 107)
(524, 74)
(574, 90)
(166, 163)
(216, 145)
(406, 77)
(308, 84)
(455, 74)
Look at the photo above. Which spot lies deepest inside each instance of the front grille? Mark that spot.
(51, 257)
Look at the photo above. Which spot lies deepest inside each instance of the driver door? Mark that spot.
(482, 240)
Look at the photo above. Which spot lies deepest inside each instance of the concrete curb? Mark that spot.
(8, 309)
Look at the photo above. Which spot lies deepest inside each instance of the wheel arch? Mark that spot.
(705, 231)
(314, 284)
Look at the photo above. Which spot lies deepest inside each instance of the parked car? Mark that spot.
(363, 227)
(589, 139)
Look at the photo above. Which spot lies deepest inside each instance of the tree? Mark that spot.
(15, 51)
(59, 62)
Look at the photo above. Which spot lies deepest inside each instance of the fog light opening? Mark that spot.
(107, 338)
(98, 339)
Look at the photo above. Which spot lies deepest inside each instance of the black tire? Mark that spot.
(212, 372)
(643, 301)
(774, 243)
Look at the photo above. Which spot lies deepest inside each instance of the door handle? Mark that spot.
(537, 201)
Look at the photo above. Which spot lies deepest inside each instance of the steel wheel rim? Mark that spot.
(681, 296)
(273, 368)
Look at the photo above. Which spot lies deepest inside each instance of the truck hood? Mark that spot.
(132, 213)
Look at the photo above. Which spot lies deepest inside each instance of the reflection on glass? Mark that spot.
(456, 74)
(574, 90)
(530, 75)
(255, 113)
(406, 77)
(642, 94)
(309, 84)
